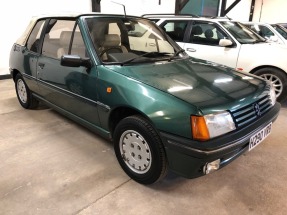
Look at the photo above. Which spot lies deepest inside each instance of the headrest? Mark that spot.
(78, 39)
(65, 38)
(112, 40)
(208, 33)
(196, 30)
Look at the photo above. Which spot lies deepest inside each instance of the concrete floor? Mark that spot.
(50, 165)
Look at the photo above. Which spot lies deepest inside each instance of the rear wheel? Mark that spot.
(24, 95)
(139, 150)
(278, 80)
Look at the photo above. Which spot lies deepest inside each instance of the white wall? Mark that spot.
(138, 7)
(272, 11)
(241, 11)
(15, 16)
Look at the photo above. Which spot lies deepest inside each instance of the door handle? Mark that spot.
(191, 49)
(41, 65)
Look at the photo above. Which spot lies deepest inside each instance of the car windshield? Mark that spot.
(242, 33)
(281, 30)
(123, 40)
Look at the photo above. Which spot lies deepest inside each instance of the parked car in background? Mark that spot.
(281, 30)
(125, 79)
(283, 24)
(229, 43)
(272, 33)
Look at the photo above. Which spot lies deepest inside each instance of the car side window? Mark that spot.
(57, 40)
(280, 30)
(33, 43)
(78, 45)
(261, 30)
(266, 32)
(206, 33)
(175, 29)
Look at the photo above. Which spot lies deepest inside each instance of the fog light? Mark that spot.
(211, 167)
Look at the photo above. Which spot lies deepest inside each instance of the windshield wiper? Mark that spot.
(257, 41)
(176, 53)
(143, 55)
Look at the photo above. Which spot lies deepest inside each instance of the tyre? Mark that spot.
(24, 95)
(278, 78)
(139, 150)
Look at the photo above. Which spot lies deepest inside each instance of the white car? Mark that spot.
(229, 43)
(271, 32)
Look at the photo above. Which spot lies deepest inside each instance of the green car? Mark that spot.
(125, 79)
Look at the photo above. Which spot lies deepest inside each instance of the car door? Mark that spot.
(203, 43)
(31, 54)
(73, 89)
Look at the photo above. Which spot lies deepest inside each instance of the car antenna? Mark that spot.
(123, 7)
(228, 17)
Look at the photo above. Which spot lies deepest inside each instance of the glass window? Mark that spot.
(33, 43)
(58, 37)
(263, 31)
(281, 30)
(175, 29)
(242, 33)
(78, 45)
(132, 40)
(206, 33)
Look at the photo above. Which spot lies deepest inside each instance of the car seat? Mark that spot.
(78, 46)
(111, 44)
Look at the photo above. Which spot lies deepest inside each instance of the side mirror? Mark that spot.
(75, 61)
(225, 42)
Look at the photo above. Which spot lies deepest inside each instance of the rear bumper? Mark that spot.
(188, 157)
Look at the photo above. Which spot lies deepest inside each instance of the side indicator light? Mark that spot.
(199, 128)
(109, 89)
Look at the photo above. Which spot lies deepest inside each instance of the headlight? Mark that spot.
(272, 94)
(211, 125)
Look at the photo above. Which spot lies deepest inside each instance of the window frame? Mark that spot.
(194, 22)
(39, 51)
(185, 35)
(44, 30)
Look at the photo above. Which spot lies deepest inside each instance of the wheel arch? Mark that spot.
(280, 83)
(122, 112)
(14, 73)
(266, 66)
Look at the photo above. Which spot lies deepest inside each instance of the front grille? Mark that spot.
(251, 112)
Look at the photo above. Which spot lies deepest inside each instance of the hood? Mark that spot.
(200, 83)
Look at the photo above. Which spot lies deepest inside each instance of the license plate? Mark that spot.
(259, 136)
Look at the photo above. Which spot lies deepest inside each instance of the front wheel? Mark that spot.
(139, 150)
(24, 94)
(278, 80)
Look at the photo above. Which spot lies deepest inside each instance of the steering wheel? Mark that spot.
(108, 49)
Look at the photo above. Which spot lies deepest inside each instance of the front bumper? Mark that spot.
(188, 157)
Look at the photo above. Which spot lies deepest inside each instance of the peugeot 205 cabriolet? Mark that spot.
(125, 79)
